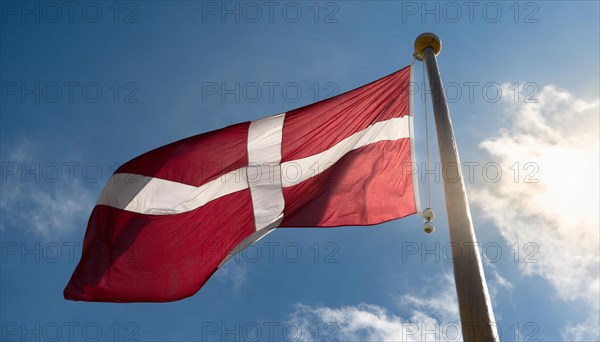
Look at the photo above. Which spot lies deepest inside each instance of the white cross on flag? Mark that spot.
(167, 219)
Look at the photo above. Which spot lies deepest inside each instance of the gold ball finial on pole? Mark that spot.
(425, 40)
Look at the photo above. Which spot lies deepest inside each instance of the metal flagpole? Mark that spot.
(476, 315)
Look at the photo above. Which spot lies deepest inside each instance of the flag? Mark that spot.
(167, 219)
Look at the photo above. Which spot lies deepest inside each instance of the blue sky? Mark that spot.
(88, 86)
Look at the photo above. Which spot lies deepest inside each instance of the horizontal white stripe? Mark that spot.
(297, 171)
(155, 196)
(264, 170)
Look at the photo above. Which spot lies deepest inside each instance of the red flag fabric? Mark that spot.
(167, 219)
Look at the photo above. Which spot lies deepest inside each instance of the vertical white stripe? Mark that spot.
(264, 170)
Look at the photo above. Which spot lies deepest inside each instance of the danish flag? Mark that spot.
(167, 219)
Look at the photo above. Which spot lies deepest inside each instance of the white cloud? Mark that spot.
(557, 208)
(498, 282)
(51, 210)
(429, 316)
(582, 331)
(234, 273)
(443, 305)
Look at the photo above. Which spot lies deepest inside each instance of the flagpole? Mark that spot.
(476, 314)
